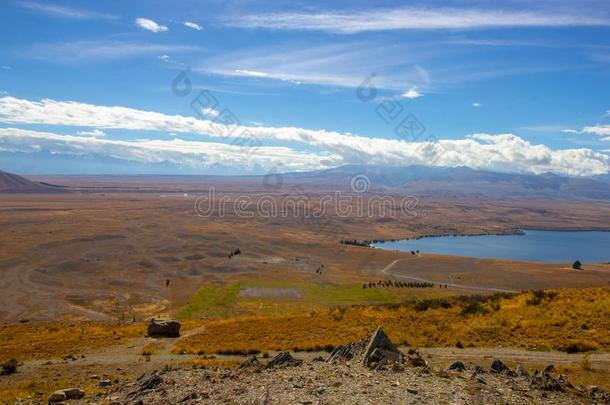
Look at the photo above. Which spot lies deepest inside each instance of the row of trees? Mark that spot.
(398, 284)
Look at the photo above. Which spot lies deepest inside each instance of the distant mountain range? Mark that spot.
(12, 183)
(417, 180)
(462, 182)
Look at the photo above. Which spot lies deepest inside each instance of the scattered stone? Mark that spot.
(500, 368)
(412, 391)
(251, 364)
(544, 381)
(347, 352)
(549, 369)
(521, 372)
(414, 359)
(283, 359)
(57, 396)
(66, 394)
(457, 366)
(159, 328)
(105, 383)
(318, 359)
(477, 370)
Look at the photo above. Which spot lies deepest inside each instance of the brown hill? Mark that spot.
(12, 183)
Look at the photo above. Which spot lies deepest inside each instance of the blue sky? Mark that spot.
(86, 87)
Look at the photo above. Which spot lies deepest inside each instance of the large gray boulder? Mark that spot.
(373, 352)
(380, 349)
(163, 328)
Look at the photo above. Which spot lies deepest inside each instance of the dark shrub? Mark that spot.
(10, 367)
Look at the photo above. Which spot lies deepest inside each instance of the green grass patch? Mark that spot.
(221, 301)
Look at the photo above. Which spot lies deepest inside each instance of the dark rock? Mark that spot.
(414, 359)
(251, 364)
(159, 328)
(66, 394)
(457, 366)
(500, 368)
(57, 396)
(318, 359)
(151, 382)
(283, 359)
(347, 352)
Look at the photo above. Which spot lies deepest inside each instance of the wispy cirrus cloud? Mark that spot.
(417, 18)
(330, 65)
(503, 152)
(96, 51)
(66, 12)
(150, 25)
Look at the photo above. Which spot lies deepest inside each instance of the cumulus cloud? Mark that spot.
(601, 130)
(476, 104)
(504, 152)
(417, 18)
(175, 151)
(210, 112)
(412, 93)
(150, 25)
(193, 25)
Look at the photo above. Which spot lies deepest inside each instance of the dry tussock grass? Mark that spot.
(43, 340)
(555, 321)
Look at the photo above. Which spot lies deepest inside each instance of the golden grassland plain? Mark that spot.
(108, 255)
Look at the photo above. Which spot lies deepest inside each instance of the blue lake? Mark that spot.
(535, 246)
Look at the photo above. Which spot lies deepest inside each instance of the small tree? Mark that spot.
(577, 265)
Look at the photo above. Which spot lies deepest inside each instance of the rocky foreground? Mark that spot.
(371, 371)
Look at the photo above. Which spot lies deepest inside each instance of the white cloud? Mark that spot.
(253, 73)
(193, 25)
(175, 151)
(210, 112)
(476, 104)
(5, 67)
(417, 18)
(412, 93)
(150, 25)
(97, 51)
(597, 130)
(94, 132)
(164, 58)
(65, 11)
(570, 131)
(504, 152)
